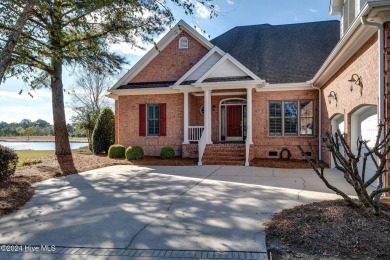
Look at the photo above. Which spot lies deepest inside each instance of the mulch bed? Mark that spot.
(280, 163)
(329, 229)
(17, 190)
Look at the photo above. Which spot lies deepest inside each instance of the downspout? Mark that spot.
(381, 89)
(319, 122)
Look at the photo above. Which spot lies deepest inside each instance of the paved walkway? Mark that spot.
(122, 212)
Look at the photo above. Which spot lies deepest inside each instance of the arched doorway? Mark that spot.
(232, 120)
(364, 125)
(337, 122)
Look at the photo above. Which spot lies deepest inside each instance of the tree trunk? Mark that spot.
(57, 93)
(5, 56)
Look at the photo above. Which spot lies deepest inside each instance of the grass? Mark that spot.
(28, 157)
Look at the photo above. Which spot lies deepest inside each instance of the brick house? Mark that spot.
(259, 91)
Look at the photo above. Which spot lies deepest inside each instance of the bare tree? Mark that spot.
(88, 99)
(6, 54)
(348, 163)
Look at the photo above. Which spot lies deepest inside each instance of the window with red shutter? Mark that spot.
(142, 119)
(163, 119)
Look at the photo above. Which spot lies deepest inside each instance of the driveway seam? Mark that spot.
(169, 207)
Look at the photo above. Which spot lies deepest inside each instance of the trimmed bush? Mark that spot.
(116, 151)
(8, 161)
(134, 153)
(104, 133)
(167, 153)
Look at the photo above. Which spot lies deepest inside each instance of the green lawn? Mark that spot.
(32, 154)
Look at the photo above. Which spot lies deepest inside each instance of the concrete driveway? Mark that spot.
(196, 212)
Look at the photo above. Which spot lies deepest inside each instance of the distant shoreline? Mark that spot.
(40, 139)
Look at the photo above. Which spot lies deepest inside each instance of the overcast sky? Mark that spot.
(14, 107)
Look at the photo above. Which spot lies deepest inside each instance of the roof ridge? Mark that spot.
(287, 24)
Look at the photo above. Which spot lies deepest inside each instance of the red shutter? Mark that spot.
(142, 119)
(163, 119)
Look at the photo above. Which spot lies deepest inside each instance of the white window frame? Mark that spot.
(184, 43)
(298, 116)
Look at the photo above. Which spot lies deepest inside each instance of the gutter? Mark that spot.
(319, 121)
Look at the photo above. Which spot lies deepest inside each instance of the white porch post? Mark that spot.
(248, 124)
(249, 116)
(207, 114)
(185, 128)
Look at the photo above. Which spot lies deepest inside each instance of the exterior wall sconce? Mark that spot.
(332, 95)
(214, 107)
(357, 80)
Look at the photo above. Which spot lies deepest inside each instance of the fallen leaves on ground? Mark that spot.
(329, 229)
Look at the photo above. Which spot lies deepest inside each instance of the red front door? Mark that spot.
(234, 119)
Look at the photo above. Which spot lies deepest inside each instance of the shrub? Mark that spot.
(116, 151)
(104, 133)
(167, 153)
(134, 153)
(29, 162)
(8, 161)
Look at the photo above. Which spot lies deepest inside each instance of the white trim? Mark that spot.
(225, 57)
(215, 49)
(285, 87)
(230, 84)
(220, 114)
(336, 7)
(144, 91)
(241, 93)
(187, 43)
(152, 53)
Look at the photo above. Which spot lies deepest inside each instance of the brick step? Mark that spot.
(224, 158)
(219, 162)
(223, 154)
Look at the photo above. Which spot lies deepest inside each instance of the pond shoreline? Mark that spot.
(33, 139)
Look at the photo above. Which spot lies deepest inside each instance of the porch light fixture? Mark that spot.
(331, 95)
(214, 107)
(357, 80)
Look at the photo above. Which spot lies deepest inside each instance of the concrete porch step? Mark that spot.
(224, 154)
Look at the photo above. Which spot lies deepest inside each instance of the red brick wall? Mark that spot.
(263, 143)
(172, 63)
(364, 63)
(128, 117)
(116, 121)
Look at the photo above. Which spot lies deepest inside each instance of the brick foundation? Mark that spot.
(190, 151)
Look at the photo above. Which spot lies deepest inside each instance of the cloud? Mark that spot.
(37, 94)
(202, 11)
(230, 2)
(313, 10)
(129, 49)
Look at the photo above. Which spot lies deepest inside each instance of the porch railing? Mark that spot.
(195, 133)
(201, 146)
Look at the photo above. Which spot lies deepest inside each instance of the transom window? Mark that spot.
(153, 122)
(183, 43)
(286, 117)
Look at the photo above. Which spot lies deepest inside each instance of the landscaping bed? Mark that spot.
(280, 163)
(329, 229)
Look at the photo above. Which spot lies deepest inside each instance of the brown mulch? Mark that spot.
(280, 163)
(329, 229)
(17, 190)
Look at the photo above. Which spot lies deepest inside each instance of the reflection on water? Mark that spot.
(38, 145)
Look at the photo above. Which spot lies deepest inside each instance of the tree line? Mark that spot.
(40, 127)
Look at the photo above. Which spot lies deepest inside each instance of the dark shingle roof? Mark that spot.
(157, 84)
(281, 53)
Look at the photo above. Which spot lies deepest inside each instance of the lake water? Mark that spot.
(38, 145)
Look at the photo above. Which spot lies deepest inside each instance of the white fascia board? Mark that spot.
(154, 51)
(230, 84)
(113, 96)
(225, 57)
(215, 49)
(286, 87)
(355, 37)
(201, 94)
(144, 91)
(336, 7)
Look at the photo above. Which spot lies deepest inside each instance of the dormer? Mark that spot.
(348, 10)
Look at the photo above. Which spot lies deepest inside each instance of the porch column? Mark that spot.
(249, 115)
(207, 114)
(185, 112)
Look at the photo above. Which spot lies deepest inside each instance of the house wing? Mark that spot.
(151, 56)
